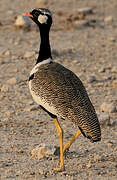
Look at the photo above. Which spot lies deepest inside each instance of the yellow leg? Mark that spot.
(71, 142)
(60, 133)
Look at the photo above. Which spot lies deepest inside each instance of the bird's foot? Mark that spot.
(61, 168)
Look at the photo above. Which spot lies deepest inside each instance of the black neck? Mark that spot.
(45, 50)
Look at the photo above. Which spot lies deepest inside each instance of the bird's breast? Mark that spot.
(42, 101)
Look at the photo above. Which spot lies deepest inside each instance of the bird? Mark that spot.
(58, 91)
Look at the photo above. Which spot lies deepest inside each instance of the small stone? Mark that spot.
(89, 164)
(81, 23)
(8, 113)
(16, 43)
(2, 51)
(29, 54)
(102, 69)
(114, 84)
(7, 53)
(15, 70)
(11, 41)
(42, 1)
(96, 157)
(42, 151)
(1, 61)
(108, 107)
(91, 79)
(85, 10)
(14, 80)
(112, 39)
(10, 12)
(41, 171)
(104, 119)
(32, 108)
(114, 69)
(0, 23)
(22, 21)
(30, 102)
(5, 88)
(108, 19)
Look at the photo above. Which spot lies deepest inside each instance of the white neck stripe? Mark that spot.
(35, 69)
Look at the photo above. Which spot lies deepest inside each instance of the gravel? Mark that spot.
(14, 80)
(85, 10)
(29, 54)
(108, 107)
(108, 19)
(88, 51)
(42, 151)
(104, 119)
(22, 21)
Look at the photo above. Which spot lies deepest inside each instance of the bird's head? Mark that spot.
(42, 17)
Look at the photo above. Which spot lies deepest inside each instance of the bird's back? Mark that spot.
(63, 94)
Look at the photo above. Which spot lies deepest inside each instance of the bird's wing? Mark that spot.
(61, 87)
(64, 92)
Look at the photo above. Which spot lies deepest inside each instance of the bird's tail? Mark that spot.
(92, 133)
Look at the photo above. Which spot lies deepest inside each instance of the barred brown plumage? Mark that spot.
(62, 90)
(59, 91)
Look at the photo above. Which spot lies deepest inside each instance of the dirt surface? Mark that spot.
(86, 44)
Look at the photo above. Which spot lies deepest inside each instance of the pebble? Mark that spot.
(81, 23)
(1, 61)
(5, 88)
(29, 54)
(41, 171)
(7, 53)
(9, 113)
(112, 39)
(22, 21)
(30, 102)
(14, 80)
(32, 108)
(102, 69)
(91, 79)
(42, 1)
(11, 41)
(108, 107)
(85, 10)
(16, 43)
(108, 19)
(2, 51)
(114, 69)
(89, 165)
(42, 151)
(114, 84)
(11, 13)
(96, 157)
(104, 119)
(0, 23)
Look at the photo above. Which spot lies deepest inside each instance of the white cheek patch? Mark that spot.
(42, 19)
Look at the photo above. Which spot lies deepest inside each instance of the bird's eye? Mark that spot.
(36, 14)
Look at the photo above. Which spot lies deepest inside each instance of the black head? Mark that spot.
(42, 17)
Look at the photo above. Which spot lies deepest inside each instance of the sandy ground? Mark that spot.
(88, 50)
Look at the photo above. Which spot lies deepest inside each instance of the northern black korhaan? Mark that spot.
(59, 91)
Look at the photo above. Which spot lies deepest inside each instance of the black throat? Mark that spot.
(45, 50)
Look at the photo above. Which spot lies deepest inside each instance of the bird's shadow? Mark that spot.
(70, 154)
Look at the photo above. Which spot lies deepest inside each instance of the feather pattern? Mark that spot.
(62, 93)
